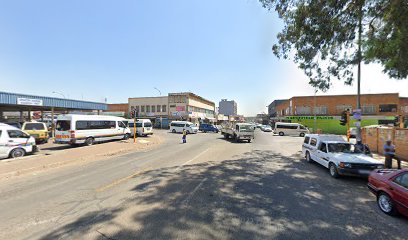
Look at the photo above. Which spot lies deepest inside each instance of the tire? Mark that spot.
(235, 138)
(126, 136)
(89, 142)
(281, 134)
(386, 204)
(333, 170)
(249, 140)
(173, 131)
(17, 152)
(308, 158)
(226, 136)
(302, 134)
(188, 132)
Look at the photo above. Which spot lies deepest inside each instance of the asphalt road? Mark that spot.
(209, 188)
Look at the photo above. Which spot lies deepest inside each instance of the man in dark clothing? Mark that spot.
(389, 152)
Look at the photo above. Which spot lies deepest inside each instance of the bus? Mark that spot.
(87, 129)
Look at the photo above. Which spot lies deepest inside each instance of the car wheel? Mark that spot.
(18, 152)
(188, 132)
(302, 134)
(386, 204)
(173, 131)
(333, 170)
(204, 131)
(126, 136)
(249, 140)
(308, 158)
(89, 141)
(281, 134)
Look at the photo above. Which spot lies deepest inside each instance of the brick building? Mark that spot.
(387, 104)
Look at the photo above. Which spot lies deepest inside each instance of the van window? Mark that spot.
(323, 147)
(34, 126)
(302, 127)
(306, 140)
(147, 124)
(17, 134)
(139, 124)
(88, 125)
(313, 141)
(121, 124)
(63, 125)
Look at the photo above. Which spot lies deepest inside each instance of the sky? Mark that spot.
(99, 49)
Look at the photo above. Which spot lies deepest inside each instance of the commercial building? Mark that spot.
(272, 108)
(117, 109)
(228, 108)
(189, 106)
(150, 107)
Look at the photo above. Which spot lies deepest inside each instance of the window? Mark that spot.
(402, 180)
(137, 108)
(91, 125)
(321, 110)
(306, 140)
(17, 134)
(164, 108)
(63, 125)
(368, 109)
(158, 108)
(313, 141)
(287, 126)
(153, 108)
(323, 147)
(147, 108)
(121, 124)
(147, 124)
(388, 108)
(341, 108)
(303, 110)
(34, 126)
(404, 109)
(143, 109)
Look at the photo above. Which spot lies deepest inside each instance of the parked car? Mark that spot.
(338, 155)
(390, 186)
(266, 128)
(14, 142)
(14, 124)
(204, 127)
(38, 130)
(179, 126)
(294, 129)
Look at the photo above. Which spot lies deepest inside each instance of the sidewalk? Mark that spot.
(404, 164)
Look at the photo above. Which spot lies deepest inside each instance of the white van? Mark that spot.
(14, 142)
(87, 129)
(144, 127)
(294, 129)
(179, 126)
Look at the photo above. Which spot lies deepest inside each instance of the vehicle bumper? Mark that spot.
(245, 137)
(372, 188)
(354, 172)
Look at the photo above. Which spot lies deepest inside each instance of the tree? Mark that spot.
(321, 36)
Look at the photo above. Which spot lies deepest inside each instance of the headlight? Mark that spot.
(345, 165)
(380, 166)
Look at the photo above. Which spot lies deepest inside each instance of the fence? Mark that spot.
(375, 138)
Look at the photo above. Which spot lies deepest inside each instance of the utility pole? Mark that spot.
(360, 30)
(314, 112)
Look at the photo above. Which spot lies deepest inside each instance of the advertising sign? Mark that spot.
(29, 101)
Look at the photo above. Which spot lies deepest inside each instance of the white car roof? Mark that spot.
(4, 126)
(327, 137)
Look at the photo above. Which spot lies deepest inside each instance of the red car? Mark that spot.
(391, 188)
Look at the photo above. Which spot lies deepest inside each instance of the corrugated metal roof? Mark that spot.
(11, 99)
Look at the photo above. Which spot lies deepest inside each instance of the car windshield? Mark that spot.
(192, 125)
(246, 128)
(34, 126)
(341, 148)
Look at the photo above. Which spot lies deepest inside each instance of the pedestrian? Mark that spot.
(184, 136)
(389, 152)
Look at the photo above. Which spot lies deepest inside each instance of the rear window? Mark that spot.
(148, 124)
(34, 126)
(63, 126)
(306, 140)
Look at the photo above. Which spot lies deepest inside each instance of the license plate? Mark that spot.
(364, 171)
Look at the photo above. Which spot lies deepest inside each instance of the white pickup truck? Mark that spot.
(238, 131)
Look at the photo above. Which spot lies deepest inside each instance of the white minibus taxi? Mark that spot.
(294, 129)
(179, 126)
(87, 129)
(14, 142)
(144, 127)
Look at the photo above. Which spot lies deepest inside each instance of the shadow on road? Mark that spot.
(263, 195)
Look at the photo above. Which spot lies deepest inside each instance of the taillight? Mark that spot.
(72, 134)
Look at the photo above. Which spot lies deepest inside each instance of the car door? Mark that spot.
(323, 154)
(17, 138)
(3, 147)
(122, 128)
(399, 188)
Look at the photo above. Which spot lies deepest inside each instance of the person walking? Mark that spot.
(184, 136)
(389, 152)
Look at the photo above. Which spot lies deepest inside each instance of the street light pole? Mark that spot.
(59, 94)
(360, 30)
(314, 112)
(161, 118)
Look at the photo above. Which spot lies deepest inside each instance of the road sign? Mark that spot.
(357, 124)
(357, 114)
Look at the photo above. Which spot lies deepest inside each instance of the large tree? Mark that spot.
(322, 36)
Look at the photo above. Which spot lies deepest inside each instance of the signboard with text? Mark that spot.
(29, 101)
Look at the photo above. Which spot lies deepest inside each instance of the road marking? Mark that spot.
(196, 157)
(119, 181)
(188, 198)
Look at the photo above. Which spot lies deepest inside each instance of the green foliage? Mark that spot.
(321, 36)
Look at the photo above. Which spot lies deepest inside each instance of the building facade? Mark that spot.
(272, 108)
(189, 106)
(149, 106)
(387, 104)
(228, 108)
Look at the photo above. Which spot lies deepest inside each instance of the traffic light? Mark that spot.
(344, 118)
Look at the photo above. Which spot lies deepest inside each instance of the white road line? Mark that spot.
(199, 155)
(188, 198)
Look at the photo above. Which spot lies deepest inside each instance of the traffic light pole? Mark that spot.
(348, 126)
(360, 30)
(134, 129)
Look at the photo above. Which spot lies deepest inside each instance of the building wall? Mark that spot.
(228, 108)
(403, 104)
(145, 105)
(372, 104)
(189, 105)
(282, 109)
(118, 107)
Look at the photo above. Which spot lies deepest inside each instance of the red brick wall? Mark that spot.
(119, 107)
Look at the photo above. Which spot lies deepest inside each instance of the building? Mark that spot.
(191, 107)
(386, 104)
(272, 112)
(150, 107)
(228, 108)
(117, 109)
